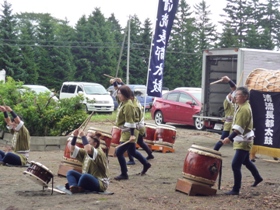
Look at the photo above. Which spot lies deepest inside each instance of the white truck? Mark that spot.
(237, 64)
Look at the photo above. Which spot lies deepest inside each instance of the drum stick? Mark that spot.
(124, 143)
(220, 80)
(110, 121)
(106, 75)
(83, 122)
(88, 120)
(241, 76)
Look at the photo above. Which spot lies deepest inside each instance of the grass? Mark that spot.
(100, 117)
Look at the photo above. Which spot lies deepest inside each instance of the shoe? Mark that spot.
(257, 182)
(253, 160)
(130, 162)
(150, 157)
(121, 177)
(67, 186)
(81, 190)
(145, 169)
(275, 158)
(232, 193)
(74, 189)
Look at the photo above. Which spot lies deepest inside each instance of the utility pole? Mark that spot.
(128, 51)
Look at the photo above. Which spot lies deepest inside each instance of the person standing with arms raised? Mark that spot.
(242, 137)
(229, 111)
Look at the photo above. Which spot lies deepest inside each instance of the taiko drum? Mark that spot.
(202, 165)
(67, 152)
(39, 173)
(105, 138)
(264, 80)
(150, 132)
(165, 133)
(116, 135)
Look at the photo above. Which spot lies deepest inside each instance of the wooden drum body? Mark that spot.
(39, 173)
(150, 133)
(67, 152)
(105, 140)
(116, 135)
(165, 134)
(264, 80)
(202, 165)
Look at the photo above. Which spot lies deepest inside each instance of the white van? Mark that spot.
(92, 91)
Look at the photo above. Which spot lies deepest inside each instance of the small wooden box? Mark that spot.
(192, 188)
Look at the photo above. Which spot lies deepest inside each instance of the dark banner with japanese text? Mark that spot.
(266, 117)
(165, 17)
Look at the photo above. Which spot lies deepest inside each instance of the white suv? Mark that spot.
(103, 102)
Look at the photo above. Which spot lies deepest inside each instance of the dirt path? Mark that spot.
(156, 190)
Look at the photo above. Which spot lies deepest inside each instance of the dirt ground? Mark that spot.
(155, 190)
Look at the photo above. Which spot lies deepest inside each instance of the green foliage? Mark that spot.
(37, 48)
(42, 115)
(99, 117)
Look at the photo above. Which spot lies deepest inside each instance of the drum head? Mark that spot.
(150, 125)
(116, 127)
(106, 135)
(168, 127)
(35, 179)
(44, 167)
(205, 149)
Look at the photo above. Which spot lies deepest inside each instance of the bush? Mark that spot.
(42, 115)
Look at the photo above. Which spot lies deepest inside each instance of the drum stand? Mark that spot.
(193, 188)
(49, 187)
(67, 165)
(162, 148)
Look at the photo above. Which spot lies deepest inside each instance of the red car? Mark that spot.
(178, 106)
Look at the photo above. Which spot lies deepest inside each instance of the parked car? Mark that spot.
(139, 92)
(178, 106)
(164, 90)
(39, 89)
(103, 102)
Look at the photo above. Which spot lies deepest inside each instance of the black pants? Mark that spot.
(143, 145)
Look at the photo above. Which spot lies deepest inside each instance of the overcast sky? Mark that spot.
(73, 9)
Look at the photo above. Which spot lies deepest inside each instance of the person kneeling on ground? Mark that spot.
(17, 154)
(94, 176)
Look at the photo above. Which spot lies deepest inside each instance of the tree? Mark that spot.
(146, 36)
(181, 68)
(27, 46)
(119, 36)
(137, 65)
(253, 38)
(10, 59)
(97, 47)
(269, 20)
(239, 16)
(65, 68)
(53, 56)
(206, 33)
(228, 38)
